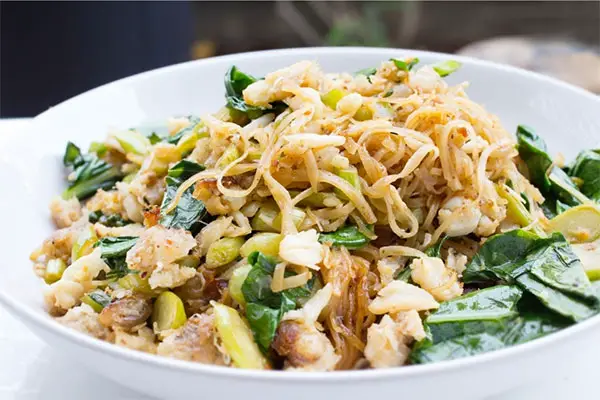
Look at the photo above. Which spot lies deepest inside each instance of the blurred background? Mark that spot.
(50, 51)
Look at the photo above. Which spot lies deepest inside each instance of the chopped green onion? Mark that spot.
(223, 251)
(96, 299)
(403, 65)
(447, 67)
(54, 270)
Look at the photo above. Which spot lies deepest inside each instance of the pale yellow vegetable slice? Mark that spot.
(84, 244)
(579, 224)
(350, 175)
(264, 219)
(133, 142)
(235, 283)
(237, 338)
(515, 209)
(331, 98)
(266, 242)
(223, 251)
(136, 283)
(297, 217)
(230, 154)
(54, 270)
(589, 255)
(168, 313)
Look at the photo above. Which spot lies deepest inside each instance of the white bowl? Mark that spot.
(567, 117)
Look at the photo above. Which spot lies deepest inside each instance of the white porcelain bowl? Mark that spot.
(31, 173)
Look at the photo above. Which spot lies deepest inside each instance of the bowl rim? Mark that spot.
(45, 322)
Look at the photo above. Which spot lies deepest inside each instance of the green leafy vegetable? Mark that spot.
(89, 173)
(194, 122)
(114, 250)
(403, 65)
(96, 299)
(557, 187)
(463, 346)
(481, 311)
(366, 71)
(189, 212)
(445, 68)
(264, 308)
(110, 220)
(586, 167)
(404, 275)
(482, 321)
(545, 267)
(235, 83)
(347, 236)
(435, 250)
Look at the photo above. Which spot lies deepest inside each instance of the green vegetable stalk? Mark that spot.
(89, 173)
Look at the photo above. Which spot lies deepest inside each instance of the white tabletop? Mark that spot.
(31, 370)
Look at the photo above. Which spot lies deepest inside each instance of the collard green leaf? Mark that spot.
(263, 322)
(557, 187)
(189, 212)
(115, 246)
(113, 251)
(587, 168)
(486, 320)
(545, 267)
(110, 220)
(436, 249)
(404, 275)
(89, 173)
(348, 236)
(458, 347)
(194, 122)
(485, 310)
(235, 83)
(264, 308)
(499, 255)
(557, 301)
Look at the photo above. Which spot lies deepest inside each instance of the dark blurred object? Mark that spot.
(568, 60)
(51, 51)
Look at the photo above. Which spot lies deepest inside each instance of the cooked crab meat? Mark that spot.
(155, 252)
(302, 249)
(65, 212)
(464, 216)
(399, 296)
(273, 87)
(388, 341)
(75, 282)
(432, 275)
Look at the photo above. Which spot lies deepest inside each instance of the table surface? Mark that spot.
(32, 370)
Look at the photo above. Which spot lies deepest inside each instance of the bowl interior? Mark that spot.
(31, 168)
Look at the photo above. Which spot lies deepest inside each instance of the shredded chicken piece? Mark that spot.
(141, 340)
(300, 340)
(194, 341)
(84, 319)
